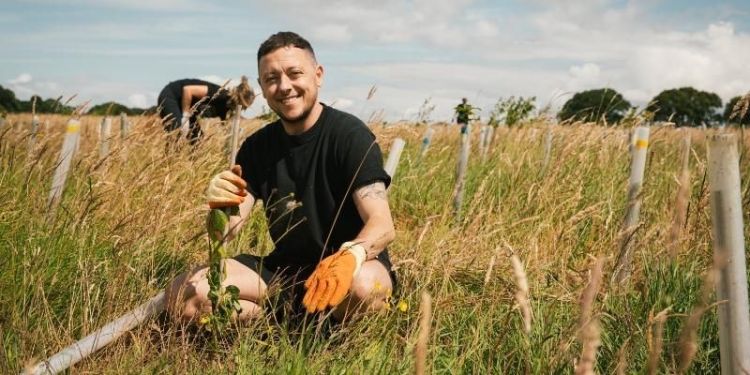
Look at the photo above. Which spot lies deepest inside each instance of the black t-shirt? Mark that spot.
(303, 180)
(215, 105)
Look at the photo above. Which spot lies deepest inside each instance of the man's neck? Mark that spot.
(305, 124)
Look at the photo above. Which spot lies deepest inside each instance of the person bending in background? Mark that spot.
(320, 174)
(182, 101)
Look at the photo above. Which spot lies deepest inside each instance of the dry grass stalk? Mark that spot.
(622, 356)
(522, 295)
(681, 201)
(488, 274)
(688, 341)
(425, 320)
(589, 329)
(741, 108)
(423, 232)
(656, 340)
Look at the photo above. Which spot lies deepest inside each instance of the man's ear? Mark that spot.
(319, 73)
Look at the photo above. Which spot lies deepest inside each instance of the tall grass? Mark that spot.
(129, 223)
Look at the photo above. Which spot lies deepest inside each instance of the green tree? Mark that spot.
(512, 110)
(8, 101)
(110, 109)
(28, 105)
(686, 106)
(738, 114)
(465, 112)
(600, 105)
(52, 106)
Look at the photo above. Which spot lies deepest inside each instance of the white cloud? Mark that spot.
(587, 74)
(714, 59)
(403, 87)
(140, 101)
(442, 49)
(148, 5)
(22, 79)
(332, 33)
(214, 79)
(24, 86)
(445, 23)
(342, 103)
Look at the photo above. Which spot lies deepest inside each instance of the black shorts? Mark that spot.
(286, 284)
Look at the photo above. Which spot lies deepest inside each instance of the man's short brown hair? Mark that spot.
(284, 39)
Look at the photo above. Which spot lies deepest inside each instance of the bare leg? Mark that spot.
(368, 292)
(187, 295)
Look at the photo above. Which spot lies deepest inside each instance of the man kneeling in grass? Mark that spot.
(319, 172)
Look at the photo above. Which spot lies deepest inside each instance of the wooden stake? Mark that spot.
(425, 323)
(729, 252)
(463, 163)
(105, 132)
(547, 149)
(490, 138)
(483, 141)
(32, 135)
(124, 126)
(234, 135)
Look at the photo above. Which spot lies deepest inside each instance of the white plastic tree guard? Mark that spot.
(70, 144)
(729, 252)
(74, 353)
(394, 156)
(630, 224)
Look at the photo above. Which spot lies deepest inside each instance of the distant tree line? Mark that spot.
(684, 106)
(114, 108)
(9, 103)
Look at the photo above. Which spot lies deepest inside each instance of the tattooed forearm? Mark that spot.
(376, 190)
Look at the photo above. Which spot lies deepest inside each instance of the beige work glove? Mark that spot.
(227, 189)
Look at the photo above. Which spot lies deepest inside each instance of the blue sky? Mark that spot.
(127, 50)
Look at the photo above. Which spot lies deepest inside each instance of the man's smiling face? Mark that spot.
(290, 78)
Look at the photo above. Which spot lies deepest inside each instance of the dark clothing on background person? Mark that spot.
(215, 104)
(306, 182)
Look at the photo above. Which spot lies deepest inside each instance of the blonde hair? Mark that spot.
(242, 95)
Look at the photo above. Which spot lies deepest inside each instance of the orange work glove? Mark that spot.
(226, 189)
(328, 284)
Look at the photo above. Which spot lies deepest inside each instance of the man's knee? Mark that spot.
(372, 285)
(192, 310)
(186, 295)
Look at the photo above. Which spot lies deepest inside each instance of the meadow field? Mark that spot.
(130, 222)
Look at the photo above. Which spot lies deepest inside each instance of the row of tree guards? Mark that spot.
(726, 213)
